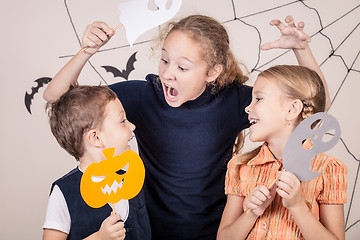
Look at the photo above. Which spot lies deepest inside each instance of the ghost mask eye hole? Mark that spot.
(97, 178)
(123, 170)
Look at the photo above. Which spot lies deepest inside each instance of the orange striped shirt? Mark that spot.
(277, 222)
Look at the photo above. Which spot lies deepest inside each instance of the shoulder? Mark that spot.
(333, 180)
(327, 163)
(129, 85)
(333, 170)
(233, 184)
(235, 97)
(241, 89)
(57, 213)
(333, 167)
(128, 89)
(245, 94)
(245, 88)
(233, 162)
(150, 78)
(70, 177)
(73, 173)
(238, 95)
(153, 78)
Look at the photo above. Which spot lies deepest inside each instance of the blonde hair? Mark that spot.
(215, 48)
(295, 82)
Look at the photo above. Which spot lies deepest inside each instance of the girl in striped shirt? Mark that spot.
(282, 97)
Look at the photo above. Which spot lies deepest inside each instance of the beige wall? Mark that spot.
(37, 36)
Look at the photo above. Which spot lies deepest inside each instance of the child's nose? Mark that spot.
(247, 109)
(169, 73)
(132, 126)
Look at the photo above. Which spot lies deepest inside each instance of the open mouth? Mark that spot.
(132, 137)
(170, 91)
(253, 121)
(114, 187)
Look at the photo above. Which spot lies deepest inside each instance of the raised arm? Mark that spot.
(294, 38)
(95, 36)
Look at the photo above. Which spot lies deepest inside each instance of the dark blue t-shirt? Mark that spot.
(185, 151)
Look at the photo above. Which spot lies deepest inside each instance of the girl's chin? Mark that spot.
(254, 138)
(172, 101)
(173, 104)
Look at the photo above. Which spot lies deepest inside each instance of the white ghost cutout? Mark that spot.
(296, 158)
(137, 18)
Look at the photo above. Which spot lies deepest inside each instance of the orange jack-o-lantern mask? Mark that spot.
(115, 178)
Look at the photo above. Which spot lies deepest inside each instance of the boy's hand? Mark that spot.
(112, 228)
(259, 199)
(292, 37)
(289, 189)
(95, 36)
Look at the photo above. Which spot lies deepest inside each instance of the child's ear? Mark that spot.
(93, 137)
(214, 72)
(295, 109)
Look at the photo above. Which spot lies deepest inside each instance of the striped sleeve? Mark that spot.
(232, 184)
(335, 183)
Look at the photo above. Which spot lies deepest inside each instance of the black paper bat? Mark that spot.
(125, 72)
(29, 97)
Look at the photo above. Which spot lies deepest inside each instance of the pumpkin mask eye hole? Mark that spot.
(123, 170)
(97, 178)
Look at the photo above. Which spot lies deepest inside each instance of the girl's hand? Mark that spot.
(112, 228)
(288, 187)
(95, 36)
(292, 37)
(259, 199)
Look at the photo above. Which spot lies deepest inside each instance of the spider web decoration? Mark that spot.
(335, 44)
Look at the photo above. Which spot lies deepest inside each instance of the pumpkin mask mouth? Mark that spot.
(113, 188)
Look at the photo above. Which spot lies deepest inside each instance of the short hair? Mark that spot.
(78, 110)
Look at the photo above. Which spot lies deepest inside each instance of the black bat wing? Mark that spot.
(116, 72)
(130, 66)
(124, 73)
(29, 97)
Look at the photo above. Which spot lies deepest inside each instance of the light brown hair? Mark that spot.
(78, 110)
(295, 82)
(215, 46)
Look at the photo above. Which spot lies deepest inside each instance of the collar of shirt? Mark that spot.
(264, 156)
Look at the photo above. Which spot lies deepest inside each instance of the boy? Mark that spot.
(86, 120)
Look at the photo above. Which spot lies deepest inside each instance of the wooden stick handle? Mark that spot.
(117, 27)
(270, 186)
(83, 49)
(112, 207)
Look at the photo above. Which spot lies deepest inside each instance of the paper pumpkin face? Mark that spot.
(115, 178)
